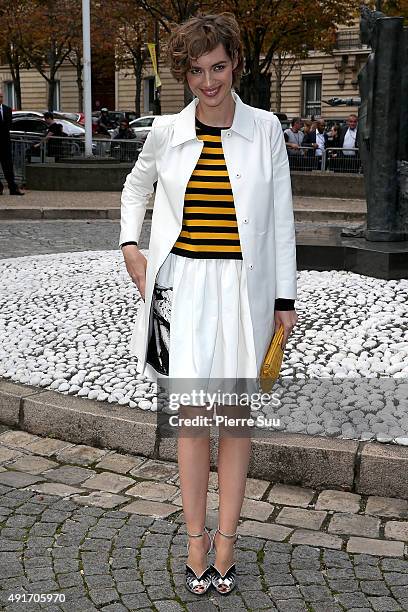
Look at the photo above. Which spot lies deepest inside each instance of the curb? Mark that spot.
(52, 214)
(329, 216)
(367, 468)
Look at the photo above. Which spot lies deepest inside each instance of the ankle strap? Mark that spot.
(226, 535)
(197, 535)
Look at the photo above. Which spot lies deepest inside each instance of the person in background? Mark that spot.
(348, 157)
(333, 135)
(317, 142)
(104, 122)
(294, 138)
(307, 126)
(6, 158)
(348, 136)
(55, 131)
(53, 128)
(123, 132)
(127, 151)
(332, 147)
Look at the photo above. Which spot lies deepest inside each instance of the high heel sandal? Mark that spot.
(224, 583)
(199, 585)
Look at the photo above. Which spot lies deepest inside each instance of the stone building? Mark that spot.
(321, 77)
(311, 81)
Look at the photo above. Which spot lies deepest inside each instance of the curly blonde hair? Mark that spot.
(201, 34)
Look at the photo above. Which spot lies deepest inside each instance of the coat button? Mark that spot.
(238, 175)
(228, 133)
(251, 266)
(245, 220)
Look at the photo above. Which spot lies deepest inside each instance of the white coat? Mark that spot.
(257, 163)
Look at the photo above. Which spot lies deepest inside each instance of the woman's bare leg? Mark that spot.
(233, 459)
(194, 469)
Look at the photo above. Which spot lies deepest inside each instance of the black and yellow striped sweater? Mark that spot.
(210, 228)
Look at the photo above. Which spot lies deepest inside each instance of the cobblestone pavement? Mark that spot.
(92, 529)
(20, 238)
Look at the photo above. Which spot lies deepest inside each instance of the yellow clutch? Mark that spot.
(272, 362)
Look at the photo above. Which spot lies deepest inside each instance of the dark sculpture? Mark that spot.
(383, 125)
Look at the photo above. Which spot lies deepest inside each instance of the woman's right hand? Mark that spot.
(136, 264)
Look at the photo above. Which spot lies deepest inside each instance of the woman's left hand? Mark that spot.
(287, 318)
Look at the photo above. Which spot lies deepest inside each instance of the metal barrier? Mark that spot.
(70, 148)
(33, 149)
(332, 159)
(302, 159)
(19, 148)
(343, 160)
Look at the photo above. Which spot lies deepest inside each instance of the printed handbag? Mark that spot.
(272, 362)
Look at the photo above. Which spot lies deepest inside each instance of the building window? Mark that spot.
(57, 96)
(348, 39)
(148, 94)
(312, 96)
(9, 94)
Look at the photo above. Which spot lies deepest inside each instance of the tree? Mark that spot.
(45, 44)
(98, 41)
(12, 17)
(75, 57)
(124, 28)
(168, 13)
(397, 8)
(286, 28)
(282, 65)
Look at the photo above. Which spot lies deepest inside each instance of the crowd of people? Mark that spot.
(311, 146)
(106, 127)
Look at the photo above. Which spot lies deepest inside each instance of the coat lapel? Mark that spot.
(184, 125)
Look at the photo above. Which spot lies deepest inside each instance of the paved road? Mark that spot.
(104, 531)
(20, 238)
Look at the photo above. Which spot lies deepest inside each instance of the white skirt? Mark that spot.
(201, 324)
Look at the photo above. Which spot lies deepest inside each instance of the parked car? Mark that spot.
(77, 117)
(143, 124)
(27, 113)
(33, 121)
(33, 127)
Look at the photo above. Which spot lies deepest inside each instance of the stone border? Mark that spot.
(54, 214)
(368, 468)
(113, 213)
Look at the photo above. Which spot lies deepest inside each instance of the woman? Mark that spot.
(307, 126)
(333, 135)
(221, 270)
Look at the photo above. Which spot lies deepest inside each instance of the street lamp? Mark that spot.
(87, 102)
